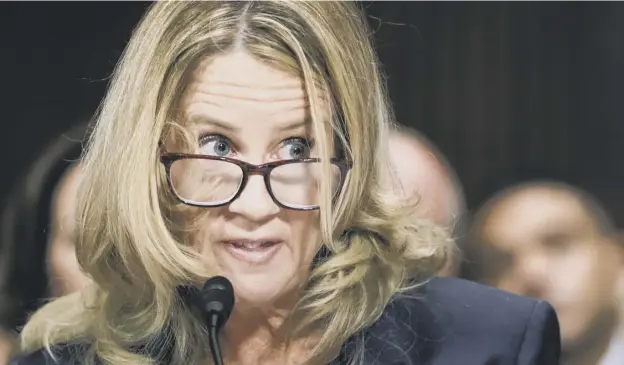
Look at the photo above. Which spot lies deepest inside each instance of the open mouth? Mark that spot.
(255, 252)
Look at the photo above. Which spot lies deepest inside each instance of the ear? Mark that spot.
(618, 241)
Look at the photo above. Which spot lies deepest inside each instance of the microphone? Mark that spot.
(215, 302)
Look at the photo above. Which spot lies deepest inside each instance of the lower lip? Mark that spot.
(253, 256)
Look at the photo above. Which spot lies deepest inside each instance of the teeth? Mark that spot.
(249, 245)
(252, 245)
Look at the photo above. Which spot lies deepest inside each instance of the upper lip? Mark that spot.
(251, 240)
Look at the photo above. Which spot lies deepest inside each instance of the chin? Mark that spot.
(261, 290)
(573, 332)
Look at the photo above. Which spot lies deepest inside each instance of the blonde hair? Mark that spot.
(126, 232)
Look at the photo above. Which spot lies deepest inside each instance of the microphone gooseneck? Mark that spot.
(215, 302)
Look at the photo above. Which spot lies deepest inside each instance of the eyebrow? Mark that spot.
(203, 119)
(296, 125)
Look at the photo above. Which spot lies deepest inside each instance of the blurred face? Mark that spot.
(64, 272)
(420, 174)
(543, 244)
(242, 109)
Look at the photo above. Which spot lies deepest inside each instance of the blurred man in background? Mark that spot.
(420, 170)
(555, 242)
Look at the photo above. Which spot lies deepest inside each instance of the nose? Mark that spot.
(254, 203)
(534, 272)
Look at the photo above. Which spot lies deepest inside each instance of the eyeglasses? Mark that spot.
(213, 181)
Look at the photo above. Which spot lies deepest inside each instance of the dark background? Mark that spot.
(509, 91)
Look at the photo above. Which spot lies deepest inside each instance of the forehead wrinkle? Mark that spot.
(215, 95)
(291, 82)
(224, 101)
(256, 93)
(264, 76)
(294, 104)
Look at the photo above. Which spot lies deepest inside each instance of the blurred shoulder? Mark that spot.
(466, 298)
(446, 320)
(458, 304)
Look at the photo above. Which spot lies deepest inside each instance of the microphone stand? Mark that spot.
(215, 302)
(213, 340)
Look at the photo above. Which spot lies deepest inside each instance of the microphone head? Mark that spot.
(216, 300)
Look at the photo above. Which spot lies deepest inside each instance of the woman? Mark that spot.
(242, 139)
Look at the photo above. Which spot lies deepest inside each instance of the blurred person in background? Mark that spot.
(421, 171)
(64, 273)
(556, 242)
(39, 263)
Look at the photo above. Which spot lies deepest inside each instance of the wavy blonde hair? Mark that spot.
(126, 233)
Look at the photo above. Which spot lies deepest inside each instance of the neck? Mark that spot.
(255, 335)
(593, 345)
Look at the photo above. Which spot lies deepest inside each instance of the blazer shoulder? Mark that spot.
(447, 320)
(541, 343)
(463, 298)
(528, 327)
(485, 309)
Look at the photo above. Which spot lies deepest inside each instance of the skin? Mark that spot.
(546, 245)
(253, 112)
(421, 175)
(7, 346)
(64, 272)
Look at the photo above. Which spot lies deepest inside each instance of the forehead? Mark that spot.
(237, 86)
(241, 69)
(533, 214)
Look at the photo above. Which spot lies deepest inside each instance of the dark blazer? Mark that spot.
(444, 322)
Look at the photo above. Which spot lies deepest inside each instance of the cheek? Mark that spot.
(305, 231)
(585, 272)
(203, 229)
(507, 280)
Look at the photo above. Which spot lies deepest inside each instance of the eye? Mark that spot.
(295, 148)
(215, 145)
(558, 243)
